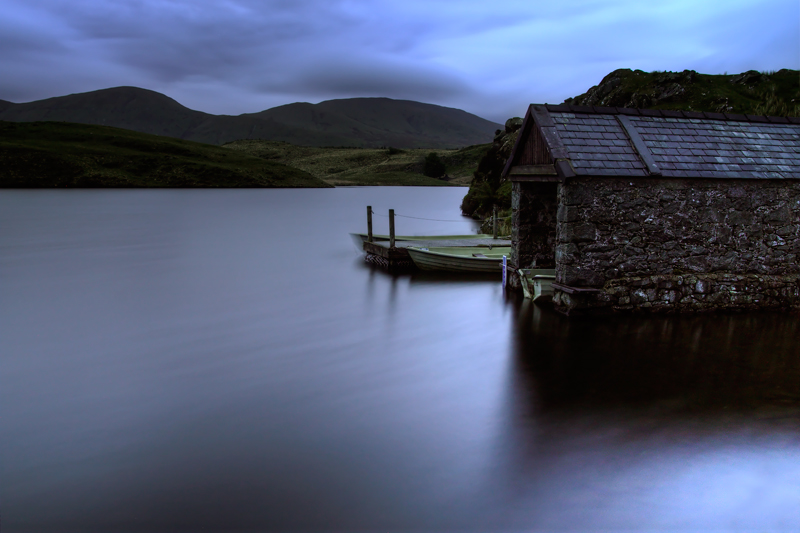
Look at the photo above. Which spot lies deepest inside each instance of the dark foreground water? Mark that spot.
(225, 361)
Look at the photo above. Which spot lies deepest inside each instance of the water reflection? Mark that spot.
(682, 422)
(700, 362)
(170, 362)
(638, 423)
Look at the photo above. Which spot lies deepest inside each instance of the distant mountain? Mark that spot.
(751, 92)
(364, 122)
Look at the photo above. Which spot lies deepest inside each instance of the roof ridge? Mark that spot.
(667, 113)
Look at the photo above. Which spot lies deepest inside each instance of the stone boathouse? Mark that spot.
(646, 210)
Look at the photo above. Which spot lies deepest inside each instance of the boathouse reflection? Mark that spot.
(728, 361)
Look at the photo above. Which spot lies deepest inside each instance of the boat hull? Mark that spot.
(537, 284)
(459, 259)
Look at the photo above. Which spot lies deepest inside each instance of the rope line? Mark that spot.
(432, 219)
(416, 218)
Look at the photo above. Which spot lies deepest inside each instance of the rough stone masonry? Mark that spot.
(676, 245)
(655, 210)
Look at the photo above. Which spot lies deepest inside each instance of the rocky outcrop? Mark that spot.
(687, 90)
(635, 88)
(747, 78)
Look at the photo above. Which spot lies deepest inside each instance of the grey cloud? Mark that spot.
(21, 35)
(237, 56)
(171, 41)
(369, 78)
(306, 49)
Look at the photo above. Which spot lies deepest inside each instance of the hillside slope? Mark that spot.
(386, 122)
(59, 154)
(130, 108)
(356, 122)
(751, 92)
(368, 166)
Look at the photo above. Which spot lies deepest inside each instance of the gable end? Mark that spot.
(534, 149)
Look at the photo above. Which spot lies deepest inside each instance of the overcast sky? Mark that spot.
(491, 58)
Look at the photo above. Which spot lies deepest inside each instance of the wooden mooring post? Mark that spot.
(391, 228)
(494, 221)
(391, 257)
(369, 223)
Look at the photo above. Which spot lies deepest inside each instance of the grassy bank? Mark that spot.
(754, 93)
(367, 166)
(61, 154)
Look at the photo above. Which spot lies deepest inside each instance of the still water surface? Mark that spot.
(224, 360)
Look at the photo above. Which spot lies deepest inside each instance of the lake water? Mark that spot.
(197, 360)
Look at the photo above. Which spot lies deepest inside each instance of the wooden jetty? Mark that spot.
(393, 254)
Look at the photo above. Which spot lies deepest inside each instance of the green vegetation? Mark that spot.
(58, 154)
(752, 92)
(434, 167)
(367, 166)
(775, 105)
(487, 189)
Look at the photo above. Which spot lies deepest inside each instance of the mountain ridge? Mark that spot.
(357, 122)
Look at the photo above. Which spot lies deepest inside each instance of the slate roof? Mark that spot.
(674, 144)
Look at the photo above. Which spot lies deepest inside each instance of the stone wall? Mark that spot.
(672, 245)
(533, 226)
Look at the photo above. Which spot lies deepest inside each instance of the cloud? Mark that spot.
(239, 56)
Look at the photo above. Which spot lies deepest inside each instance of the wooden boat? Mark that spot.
(460, 258)
(537, 284)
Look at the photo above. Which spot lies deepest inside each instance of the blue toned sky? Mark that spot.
(487, 57)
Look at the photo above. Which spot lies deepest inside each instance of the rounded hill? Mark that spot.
(355, 122)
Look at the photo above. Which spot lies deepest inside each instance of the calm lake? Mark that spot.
(198, 360)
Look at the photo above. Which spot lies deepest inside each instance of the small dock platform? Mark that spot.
(392, 253)
(380, 252)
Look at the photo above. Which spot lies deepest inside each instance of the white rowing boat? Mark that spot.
(537, 284)
(460, 258)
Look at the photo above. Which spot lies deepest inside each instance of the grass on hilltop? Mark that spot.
(757, 93)
(61, 154)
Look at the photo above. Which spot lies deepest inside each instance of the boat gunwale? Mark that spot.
(469, 257)
(426, 259)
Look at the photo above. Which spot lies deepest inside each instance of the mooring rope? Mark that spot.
(416, 218)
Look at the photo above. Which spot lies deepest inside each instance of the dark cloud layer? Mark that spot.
(246, 55)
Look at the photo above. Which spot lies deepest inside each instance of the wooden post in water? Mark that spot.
(369, 223)
(494, 221)
(391, 228)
